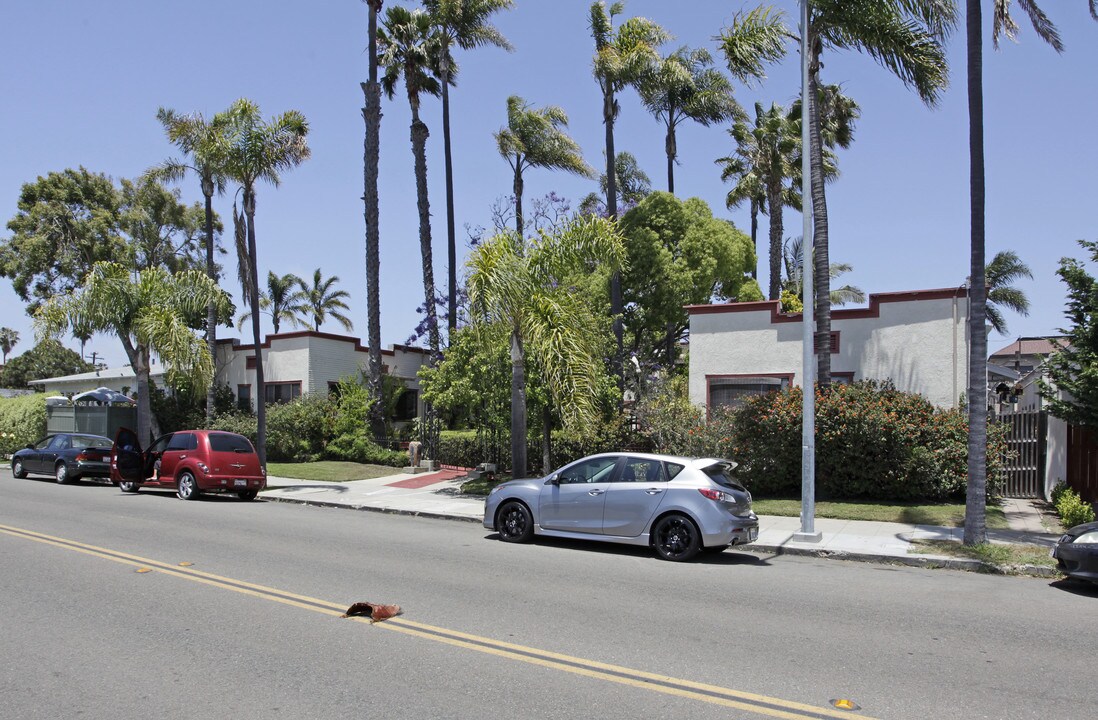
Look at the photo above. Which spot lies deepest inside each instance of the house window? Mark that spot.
(407, 406)
(282, 392)
(733, 391)
(842, 378)
(249, 362)
(244, 397)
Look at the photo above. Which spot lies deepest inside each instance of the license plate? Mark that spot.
(240, 483)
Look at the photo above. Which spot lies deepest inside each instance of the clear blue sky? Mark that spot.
(82, 83)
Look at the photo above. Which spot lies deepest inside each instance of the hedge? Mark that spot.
(22, 421)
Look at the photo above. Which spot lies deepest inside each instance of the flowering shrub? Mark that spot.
(22, 421)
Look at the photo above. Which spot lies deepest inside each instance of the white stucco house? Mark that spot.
(294, 364)
(916, 339)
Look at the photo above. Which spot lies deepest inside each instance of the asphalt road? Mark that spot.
(101, 620)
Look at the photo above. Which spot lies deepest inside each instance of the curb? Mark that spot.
(368, 508)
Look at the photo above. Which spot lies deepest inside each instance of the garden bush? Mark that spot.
(1073, 509)
(298, 431)
(22, 421)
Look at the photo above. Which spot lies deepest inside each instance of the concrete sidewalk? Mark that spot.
(438, 495)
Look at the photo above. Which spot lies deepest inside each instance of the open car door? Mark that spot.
(127, 462)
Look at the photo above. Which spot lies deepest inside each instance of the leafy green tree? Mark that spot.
(319, 301)
(8, 339)
(1002, 272)
(371, 115)
(521, 288)
(1071, 390)
(622, 57)
(256, 150)
(162, 231)
(1002, 23)
(534, 138)
(65, 223)
(684, 86)
(49, 358)
(461, 23)
(281, 300)
(409, 50)
(149, 312)
(472, 384)
(198, 139)
(678, 254)
(632, 185)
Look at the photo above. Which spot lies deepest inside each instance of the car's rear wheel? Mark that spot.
(247, 494)
(187, 488)
(514, 522)
(676, 538)
(61, 473)
(128, 486)
(17, 468)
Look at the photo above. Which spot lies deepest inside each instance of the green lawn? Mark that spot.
(944, 514)
(999, 555)
(329, 471)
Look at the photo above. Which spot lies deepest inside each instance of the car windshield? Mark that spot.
(90, 441)
(225, 442)
(722, 474)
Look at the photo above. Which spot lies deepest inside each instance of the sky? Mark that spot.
(83, 81)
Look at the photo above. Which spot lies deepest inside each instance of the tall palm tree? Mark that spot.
(149, 311)
(371, 115)
(534, 138)
(1002, 23)
(1003, 270)
(10, 338)
(408, 49)
(747, 185)
(281, 300)
(463, 23)
(684, 86)
(632, 185)
(198, 140)
(319, 301)
(254, 151)
(767, 156)
(519, 287)
(622, 57)
(793, 259)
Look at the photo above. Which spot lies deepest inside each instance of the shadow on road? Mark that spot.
(729, 556)
(1076, 587)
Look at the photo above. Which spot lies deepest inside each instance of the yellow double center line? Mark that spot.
(713, 694)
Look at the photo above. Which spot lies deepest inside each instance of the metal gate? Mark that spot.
(1024, 464)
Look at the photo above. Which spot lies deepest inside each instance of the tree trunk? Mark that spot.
(140, 364)
(755, 237)
(451, 245)
(671, 147)
(516, 188)
(818, 253)
(211, 309)
(976, 496)
(518, 406)
(612, 213)
(419, 150)
(774, 200)
(547, 438)
(371, 114)
(257, 338)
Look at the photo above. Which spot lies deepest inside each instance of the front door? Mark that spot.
(575, 502)
(632, 500)
(126, 459)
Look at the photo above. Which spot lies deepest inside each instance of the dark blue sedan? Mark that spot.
(65, 456)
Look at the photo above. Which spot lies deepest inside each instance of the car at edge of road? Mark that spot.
(678, 506)
(1076, 552)
(68, 457)
(191, 462)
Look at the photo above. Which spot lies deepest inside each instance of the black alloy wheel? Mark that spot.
(676, 538)
(514, 522)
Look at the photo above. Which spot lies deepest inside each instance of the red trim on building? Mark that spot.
(873, 311)
(357, 342)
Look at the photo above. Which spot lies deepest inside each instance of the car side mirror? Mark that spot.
(554, 479)
(30, 447)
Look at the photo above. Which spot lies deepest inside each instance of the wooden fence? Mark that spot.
(1082, 462)
(1024, 464)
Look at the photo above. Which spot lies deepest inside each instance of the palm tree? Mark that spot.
(520, 287)
(319, 301)
(767, 155)
(148, 310)
(281, 300)
(408, 49)
(632, 185)
(463, 23)
(371, 115)
(793, 259)
(534, 138)
(198, 140)
(255, 150)
(1002, 23)
(748, 185)
(8, 339)
(1003, 270)
(683, 86)
(622, 57)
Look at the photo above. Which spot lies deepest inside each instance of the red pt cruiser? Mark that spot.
(191, 462)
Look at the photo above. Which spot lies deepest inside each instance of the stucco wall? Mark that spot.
(916, 339)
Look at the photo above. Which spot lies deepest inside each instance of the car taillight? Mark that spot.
(715, 495)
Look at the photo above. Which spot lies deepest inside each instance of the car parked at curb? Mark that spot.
(1076, 552)
(678, 506)
(191, 462)
(68, 457)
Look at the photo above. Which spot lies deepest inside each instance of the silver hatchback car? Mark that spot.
(677, 505)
